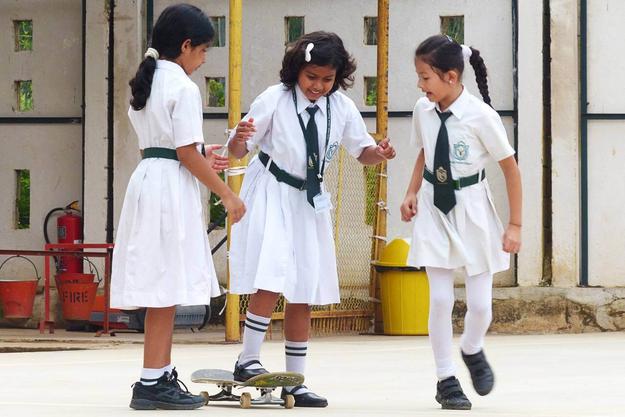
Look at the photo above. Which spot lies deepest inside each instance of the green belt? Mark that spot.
(165, 153)
(280, 174)
(459, 183)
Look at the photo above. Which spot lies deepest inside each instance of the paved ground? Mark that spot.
(550, 375)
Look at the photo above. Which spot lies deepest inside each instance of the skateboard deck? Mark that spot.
(266, 383)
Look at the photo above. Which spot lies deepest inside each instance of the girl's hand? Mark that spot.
(217, 162)
(408, 208)
(385, 149)
(245, 130)
(512, 238)
(234, 206)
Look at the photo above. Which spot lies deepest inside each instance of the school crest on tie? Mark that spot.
(461, 151)
(441, 174)
(332, 151)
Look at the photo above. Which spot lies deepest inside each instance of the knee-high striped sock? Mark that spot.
(253, 337)
(295, 354)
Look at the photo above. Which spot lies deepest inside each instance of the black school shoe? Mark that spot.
(166, 394)
(481, 372)
(306, 399)
(450, 396)
(242, 374)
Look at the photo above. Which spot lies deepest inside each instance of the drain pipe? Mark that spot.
(110, 119)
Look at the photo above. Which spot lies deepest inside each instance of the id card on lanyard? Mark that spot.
(322, 201)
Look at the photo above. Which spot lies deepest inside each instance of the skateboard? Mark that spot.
(265, 383)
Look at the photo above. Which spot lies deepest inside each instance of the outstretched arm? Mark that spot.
(375, 154)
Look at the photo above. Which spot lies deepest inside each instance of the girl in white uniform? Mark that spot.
(162, 257)
(456, 225)
(284, 244)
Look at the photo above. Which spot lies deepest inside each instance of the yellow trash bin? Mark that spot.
(404, 292)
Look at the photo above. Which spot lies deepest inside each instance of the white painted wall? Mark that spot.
(52, 152)
(530, 141)
(565, 138)
(606, 144)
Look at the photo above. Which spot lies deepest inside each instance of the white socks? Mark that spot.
(253, 337)
(477, 319)
(295, 354)
(150, 375)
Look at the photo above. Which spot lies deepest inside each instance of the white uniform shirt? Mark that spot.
(173, 115)
(278, 132)
(475, 133)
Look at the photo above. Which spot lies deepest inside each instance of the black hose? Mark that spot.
(45, 222)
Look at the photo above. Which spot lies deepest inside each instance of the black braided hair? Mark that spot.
(477, 62)
(444, 54)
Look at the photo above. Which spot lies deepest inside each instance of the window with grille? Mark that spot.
(219, 24)
(453, 26)
(23, 35)
(216, 91)
(371, 30)
(293, 27)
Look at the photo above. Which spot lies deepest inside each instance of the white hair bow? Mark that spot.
(466, 52)
(309, 48)
(151, 53)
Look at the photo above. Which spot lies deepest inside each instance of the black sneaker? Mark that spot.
(305, 399)
(166, 394)
(481, 372)
(242, 374)
(450, 396)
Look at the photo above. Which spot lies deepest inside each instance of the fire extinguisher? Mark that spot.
(69, 230)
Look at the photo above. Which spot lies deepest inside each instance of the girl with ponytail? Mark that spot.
(162, 257)
(456, 226)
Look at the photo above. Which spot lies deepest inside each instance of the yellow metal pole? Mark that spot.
(379, 228)
(234, 114)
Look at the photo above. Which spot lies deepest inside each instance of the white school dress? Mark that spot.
(470, 235)
(281, 245)
(162, 256)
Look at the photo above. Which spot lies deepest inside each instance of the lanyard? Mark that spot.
(328, 126)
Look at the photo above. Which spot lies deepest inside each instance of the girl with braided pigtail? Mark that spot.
(456, 226)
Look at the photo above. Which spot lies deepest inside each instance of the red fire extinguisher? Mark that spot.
(69, 230)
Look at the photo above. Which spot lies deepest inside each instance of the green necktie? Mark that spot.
(444, 197)
(313, 184)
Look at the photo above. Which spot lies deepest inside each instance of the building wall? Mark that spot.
(52, 152)
(606, 147)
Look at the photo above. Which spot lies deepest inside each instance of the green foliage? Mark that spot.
(294, 28)
(371, 88)
(23, 35)
(24, 95)
(216, 92)
(453, 26)
(22, 203)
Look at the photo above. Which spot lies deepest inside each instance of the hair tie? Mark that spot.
(466, 52)
(309, 48)
(151, 53)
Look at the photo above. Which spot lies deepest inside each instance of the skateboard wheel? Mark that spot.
(246, 400)
(205, 395)
(289, 401)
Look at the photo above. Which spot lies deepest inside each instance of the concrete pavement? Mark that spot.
(538, 375)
